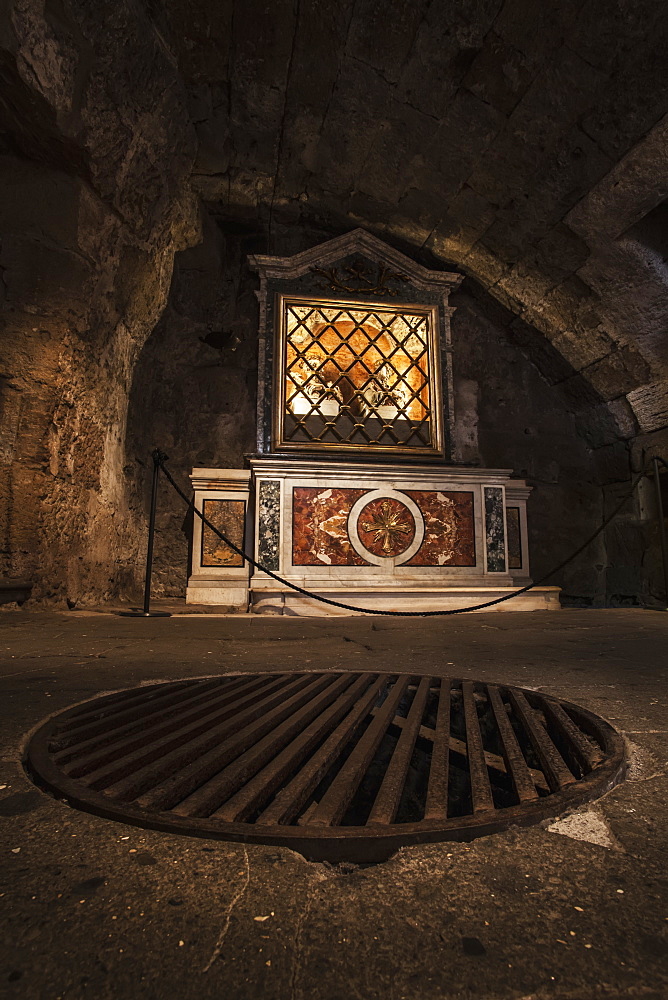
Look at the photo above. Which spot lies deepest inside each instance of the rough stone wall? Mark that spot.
(194, 388)
(96, 152)
(574, 451)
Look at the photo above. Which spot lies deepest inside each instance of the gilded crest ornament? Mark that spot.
(387, 525)
(358, 278)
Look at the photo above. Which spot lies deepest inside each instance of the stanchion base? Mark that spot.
(144, 614)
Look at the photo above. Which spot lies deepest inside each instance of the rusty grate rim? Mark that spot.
(338, 766)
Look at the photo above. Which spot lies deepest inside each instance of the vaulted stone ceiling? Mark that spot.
(523, 142)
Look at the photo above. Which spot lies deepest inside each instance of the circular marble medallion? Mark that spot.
(386, 527)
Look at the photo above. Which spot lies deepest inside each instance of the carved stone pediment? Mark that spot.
(350, 260)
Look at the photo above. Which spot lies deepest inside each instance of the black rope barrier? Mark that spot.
(159, 460)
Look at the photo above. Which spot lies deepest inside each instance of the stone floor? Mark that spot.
(93, 908)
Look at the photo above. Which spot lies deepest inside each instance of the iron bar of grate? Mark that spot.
(338, 796)
(207, 695)
(290, 800)
(436, 806)
(197, 714)
(516, 765)
(128, 762)
(588, 754)
(213, 793)
(386, 804)
(105, 705)
(134, 709)
(260, 787)
(554, 767)
(497, 765)
(142, 772)
(481, 790)
(189, 771)
(79, 744)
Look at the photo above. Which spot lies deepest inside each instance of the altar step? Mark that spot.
(279, 601)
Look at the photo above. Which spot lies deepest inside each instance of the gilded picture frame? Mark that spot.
(356, 376)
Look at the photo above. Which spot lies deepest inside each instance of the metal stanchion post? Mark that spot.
(662, 526)
(158, 457)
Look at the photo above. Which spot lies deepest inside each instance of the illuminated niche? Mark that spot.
(354, 352)
(358, 374)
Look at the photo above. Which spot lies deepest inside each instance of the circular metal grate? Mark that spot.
(338, 766)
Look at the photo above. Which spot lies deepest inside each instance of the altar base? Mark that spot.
(288, 602)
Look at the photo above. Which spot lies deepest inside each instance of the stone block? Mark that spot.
(563, 250)
(203, 34)
(444, 47)
(484, 308)
(560, 177)
(580, 343)
(624, 417)
(578, 393)
(618, 372)
(214, 145)
(611, 462)
(508, 300)
(540, 351)
(436, 169)
(465, 436)
(607, 424)
(536, 30)
(394, 163)
(534, 132)
(650, 406)
(484, 266)
(468, 216)
(570, 168)
(382, 37)
(39, 203)
(499, 74)
(527, 283)
(45, 278)
(602, 33)
(356, 116)
(635, 96)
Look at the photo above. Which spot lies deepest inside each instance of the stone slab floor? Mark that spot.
(94, 908)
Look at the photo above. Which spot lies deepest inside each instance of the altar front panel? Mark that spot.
(402, 535)
(321, 529)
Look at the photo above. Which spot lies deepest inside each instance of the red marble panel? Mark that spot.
(449, 530)
(320, 526)
(386, 527)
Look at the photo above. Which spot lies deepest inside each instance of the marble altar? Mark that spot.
(407, 538)
(353, 494)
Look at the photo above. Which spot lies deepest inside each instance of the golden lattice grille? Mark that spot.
(357, 375)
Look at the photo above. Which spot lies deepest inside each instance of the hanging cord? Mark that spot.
(400, 614)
